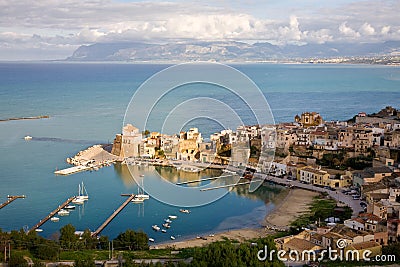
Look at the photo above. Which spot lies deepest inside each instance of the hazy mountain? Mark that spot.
(226, 51)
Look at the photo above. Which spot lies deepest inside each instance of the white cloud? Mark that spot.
(348, 31)
(385, 30)
(68, 24)
(367, 29)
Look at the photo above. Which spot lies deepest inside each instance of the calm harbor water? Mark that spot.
(87, 102)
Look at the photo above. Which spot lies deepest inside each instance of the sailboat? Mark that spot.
(82, 195)
(141, 196)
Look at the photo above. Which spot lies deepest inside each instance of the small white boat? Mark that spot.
(28, 137)
(63, 213)
(137, 200)
(142, 175)
(166, 225)
(151, 239)
(184, 211)
(172, 237)
(172, 217)
(163, 230)
(167, 221)
(69, 207)
(143, 196)
(54, 219)
(39, 230)
(156, 228)
(78, 200)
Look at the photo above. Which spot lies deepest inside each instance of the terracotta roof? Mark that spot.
(365, 245)
(300, 244)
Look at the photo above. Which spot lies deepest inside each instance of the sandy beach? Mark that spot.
(240, 235)
(287, 209)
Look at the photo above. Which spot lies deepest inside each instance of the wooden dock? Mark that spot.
(10, 199)
(115, 213)
(45, 219)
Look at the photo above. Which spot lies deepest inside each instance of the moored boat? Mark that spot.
(54, 219)
(28, 137)
(163, 230)
(156, 228)
(39, 230)
(63, 212)
(69, 207)
(184, 211)
(172, 237)
(172, 217)
(166, 225)
(137, 200)
(151, 239)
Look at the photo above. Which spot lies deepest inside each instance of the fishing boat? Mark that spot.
(172, 217)
(172, 237)
(151, 239)
(156, 228)
(63, 213)
(184, 211)
(54, 219)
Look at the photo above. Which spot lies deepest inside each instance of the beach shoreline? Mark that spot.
(279, 219)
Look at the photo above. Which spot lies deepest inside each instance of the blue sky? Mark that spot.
(49, 29)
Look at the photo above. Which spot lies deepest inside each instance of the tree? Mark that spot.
(84, 262)
(89, 241)
(68, 238)
(131, 240)
(103, 242)
(17, 260)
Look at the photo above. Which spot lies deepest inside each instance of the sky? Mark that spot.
(51, 29)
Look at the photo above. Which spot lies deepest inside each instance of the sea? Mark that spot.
(87, 104)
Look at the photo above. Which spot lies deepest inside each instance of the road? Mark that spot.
(337, 195)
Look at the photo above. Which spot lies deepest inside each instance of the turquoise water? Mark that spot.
(87, 102)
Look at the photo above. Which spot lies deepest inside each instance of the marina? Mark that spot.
(10, 199)
(48, 217)
(113, 215)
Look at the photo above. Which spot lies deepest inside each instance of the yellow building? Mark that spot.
(320, 177)
(308, 119)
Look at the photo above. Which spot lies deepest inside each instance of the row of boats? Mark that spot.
(78, 200)
(167, 224)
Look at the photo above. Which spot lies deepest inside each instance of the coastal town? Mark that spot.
(354, 162)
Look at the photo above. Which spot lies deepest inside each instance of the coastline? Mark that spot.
(286, 211)
(280, 217)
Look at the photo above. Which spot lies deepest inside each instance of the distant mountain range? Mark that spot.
(228, 51)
